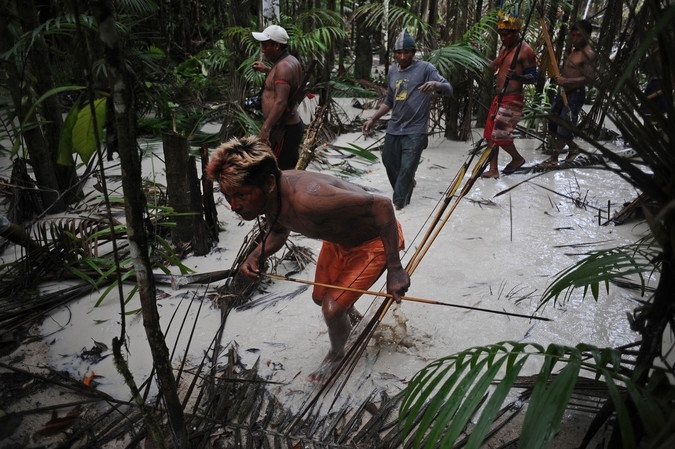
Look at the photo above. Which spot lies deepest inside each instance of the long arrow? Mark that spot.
(405, 298)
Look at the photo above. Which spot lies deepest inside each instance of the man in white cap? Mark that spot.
(410, 84)
(282, 127)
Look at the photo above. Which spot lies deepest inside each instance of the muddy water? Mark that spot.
(494, 252)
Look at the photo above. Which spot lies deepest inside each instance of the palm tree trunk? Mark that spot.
(50, 107)
(185, 196)
(42, 160)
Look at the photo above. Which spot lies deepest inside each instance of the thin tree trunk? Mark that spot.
(125, 119)
(363, 50)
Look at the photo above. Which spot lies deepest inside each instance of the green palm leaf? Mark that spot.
(397, 19)
(455, 57)
(86, 132)
(515, 363)
(548, 395)
(444, 395)
(602, 266)
(357, 151)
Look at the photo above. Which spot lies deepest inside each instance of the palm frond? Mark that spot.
(342, 89)
(317, 18)
(242, 35)
(457, 56)
(602, 266)
(447, 392)
(325, 27)
(397, 19)
(357, 151)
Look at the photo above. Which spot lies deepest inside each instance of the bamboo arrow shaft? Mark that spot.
(405, 298)
(433, 233)
(551, 55)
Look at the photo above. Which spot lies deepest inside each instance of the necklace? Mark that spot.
(268, 229)
(502, 57)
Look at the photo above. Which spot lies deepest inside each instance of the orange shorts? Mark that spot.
(357, 268)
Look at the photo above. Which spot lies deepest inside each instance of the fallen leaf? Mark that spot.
(58, 425)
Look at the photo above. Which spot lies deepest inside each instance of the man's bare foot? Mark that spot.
(321, 375)
(490, 174)
(354, 316)
(572, 155)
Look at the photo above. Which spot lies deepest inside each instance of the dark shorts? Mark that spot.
(285, 141)
(575, 100)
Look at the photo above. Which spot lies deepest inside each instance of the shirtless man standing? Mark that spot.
(361, 235)
(505, 114)
(578, 71)
(282, 127)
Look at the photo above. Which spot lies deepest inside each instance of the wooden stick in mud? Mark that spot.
(178, 280)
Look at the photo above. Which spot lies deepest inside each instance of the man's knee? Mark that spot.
(332, 310)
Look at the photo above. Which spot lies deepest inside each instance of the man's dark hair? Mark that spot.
(583, 25)
(242, 162)
(258, 174)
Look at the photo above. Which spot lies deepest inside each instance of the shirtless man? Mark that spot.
(361, 235)
(578, 71)
(505, 114)
(282, 127)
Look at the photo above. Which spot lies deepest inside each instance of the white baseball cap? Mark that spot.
(272, 33)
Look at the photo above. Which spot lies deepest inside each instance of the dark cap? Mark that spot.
(404, 41)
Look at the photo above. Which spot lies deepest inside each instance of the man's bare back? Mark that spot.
(327, 208)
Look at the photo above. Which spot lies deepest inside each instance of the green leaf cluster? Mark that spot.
(443, 398)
